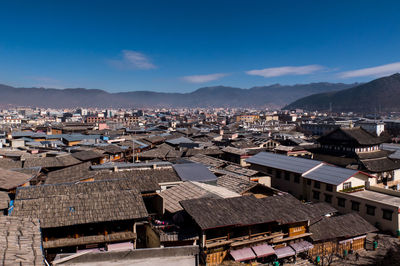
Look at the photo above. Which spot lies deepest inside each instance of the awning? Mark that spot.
(301, 246)
(284, 252)
(243, 254)
(263, 250)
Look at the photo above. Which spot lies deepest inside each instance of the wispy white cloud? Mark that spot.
(284, 71)
(204, 78)
(133, 60)
(377, 71)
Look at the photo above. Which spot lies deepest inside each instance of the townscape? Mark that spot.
(199, 133)
(202, 186)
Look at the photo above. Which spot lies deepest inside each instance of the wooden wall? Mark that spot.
(329, 247)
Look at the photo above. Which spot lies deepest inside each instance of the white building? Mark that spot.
(373, 127)
(345, 189)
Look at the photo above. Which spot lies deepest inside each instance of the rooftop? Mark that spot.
(194, 172)
(378, 197)
(330, 174)
(20, 241)
(11, 179)
(347, 225)
(283, 162)
(212, 213)
(82, 203)
(355, 135)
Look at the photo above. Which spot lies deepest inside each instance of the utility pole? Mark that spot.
(133, 150)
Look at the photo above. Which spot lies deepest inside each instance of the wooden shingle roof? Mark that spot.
(111, 149)
(343, 226)
(240, 170)
(159, 175)
(184, 191)
(20, 241)
(162, 151)
(11, 179)
(212, 213)
(4, 200)
(7, 163)
(49, 162)
(208, 151)
(87, 155)
(235, 184)
(208, 160)
(83, 203)
(142, 183)
(70, 174)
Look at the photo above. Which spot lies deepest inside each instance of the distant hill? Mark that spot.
(381, 94)
(274, 96)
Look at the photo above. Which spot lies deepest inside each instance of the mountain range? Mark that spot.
(379, 95)
(273, 96)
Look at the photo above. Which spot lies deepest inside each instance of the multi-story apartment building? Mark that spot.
(345, 189)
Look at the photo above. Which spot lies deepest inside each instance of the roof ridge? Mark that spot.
(312, 169)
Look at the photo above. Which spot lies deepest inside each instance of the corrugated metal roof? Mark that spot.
(283, 162)
(194, 172)
(330, 174)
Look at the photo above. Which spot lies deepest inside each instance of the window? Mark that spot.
(347, 185)
(297, 178)
(387, 214)
(328, 198)
(329, 187)
(355, 206)
(278, 174)
(370, 210)
(341, 202)
(315, 195)
(287, 176)
(309, 182)
(317, 184)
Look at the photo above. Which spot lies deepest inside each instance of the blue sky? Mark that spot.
(179, 46)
